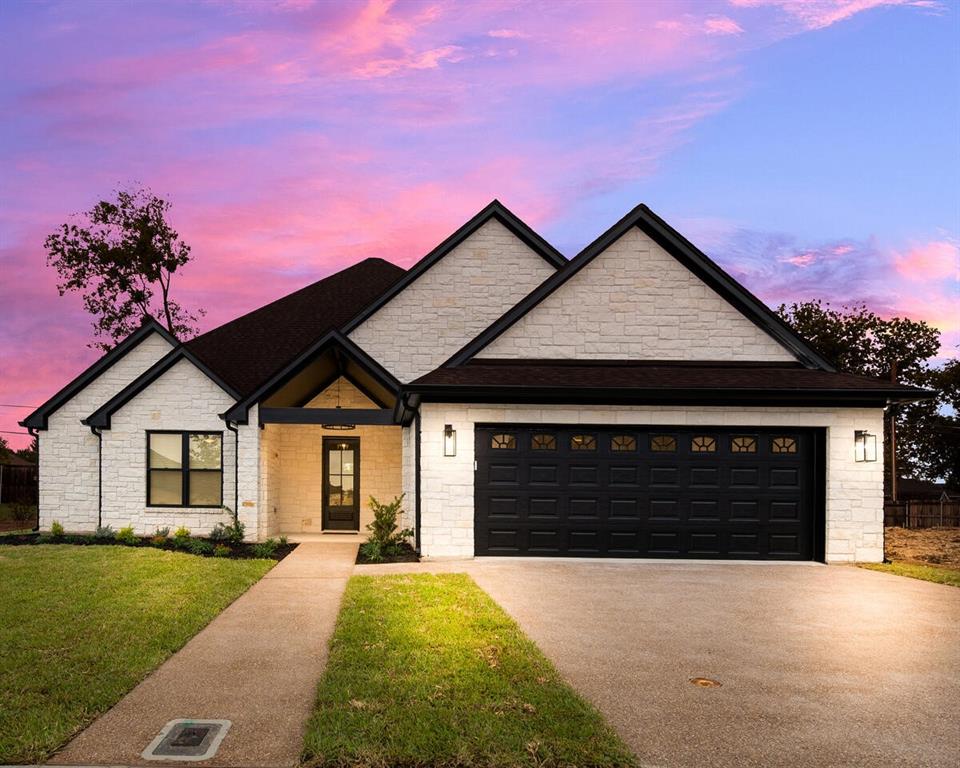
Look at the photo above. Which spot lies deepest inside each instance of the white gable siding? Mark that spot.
(635, 301)
(68, 449)
(452, 302)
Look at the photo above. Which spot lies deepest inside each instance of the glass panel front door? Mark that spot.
(341, 474)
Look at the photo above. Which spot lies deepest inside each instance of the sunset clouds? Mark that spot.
(297, 137)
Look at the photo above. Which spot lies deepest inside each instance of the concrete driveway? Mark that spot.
(820, 666)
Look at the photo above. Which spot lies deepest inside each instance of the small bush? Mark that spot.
(386, 536)
(126, 536)
(181, 537)
(222, 550)
(265, 549)
(104, 533)
(160, 536)
(228, 534)
(56, 530)
(282, 541)
(199, 547)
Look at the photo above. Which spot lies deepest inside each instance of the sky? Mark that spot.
(811, 148)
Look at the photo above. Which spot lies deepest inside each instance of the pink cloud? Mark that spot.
(937, 260)
(818, 14)
(722, 25)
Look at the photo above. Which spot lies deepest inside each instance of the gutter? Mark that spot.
(99, 433)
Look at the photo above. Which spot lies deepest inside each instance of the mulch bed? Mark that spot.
(407, 555)
(244, 551)
(927, 546)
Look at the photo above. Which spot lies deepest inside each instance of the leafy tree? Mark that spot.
(4, 447)
(857, 340)
(31, 453)
(121, 257)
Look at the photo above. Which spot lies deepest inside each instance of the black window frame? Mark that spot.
(184, 469)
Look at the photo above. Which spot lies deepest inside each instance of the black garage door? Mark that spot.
(648, 492)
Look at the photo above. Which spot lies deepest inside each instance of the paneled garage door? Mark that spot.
(647, 492)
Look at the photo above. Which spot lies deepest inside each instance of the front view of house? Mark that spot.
(635, 401)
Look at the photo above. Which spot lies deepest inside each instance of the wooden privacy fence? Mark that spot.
(19, 485)
(922, 514)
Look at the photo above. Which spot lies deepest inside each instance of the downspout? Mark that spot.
(416, 484)
(232, 426)
(99, 433)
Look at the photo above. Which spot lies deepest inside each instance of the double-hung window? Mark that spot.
(184, 469)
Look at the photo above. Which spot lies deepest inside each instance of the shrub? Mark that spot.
(199, 547)
(160, 536)
(126, 536)
(104, 533)
(386, 536)
(56, 530)
(282, 541)
(181, 537)
(265, 549)
(228, 534)
(222, 550)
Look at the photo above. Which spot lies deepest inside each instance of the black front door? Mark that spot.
(341, 483)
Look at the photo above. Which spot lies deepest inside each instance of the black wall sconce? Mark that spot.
(449, 440)
(864, 446)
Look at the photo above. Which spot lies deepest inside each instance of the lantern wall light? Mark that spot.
(449, 440)
(864, 446)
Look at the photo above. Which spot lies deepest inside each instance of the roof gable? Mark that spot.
(678, 247)
(494, 210)
(39, 418)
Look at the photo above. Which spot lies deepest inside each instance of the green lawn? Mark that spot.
(914, 571)
(80, 626)
(426, 670)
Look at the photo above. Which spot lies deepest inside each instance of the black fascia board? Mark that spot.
(678, 247)
(101, 418)
(445, 393)
(239, 411)
(494, 210)
(40, 417)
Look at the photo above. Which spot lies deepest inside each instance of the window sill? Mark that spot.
(173, 509)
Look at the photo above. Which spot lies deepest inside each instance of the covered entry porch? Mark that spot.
(333, 434)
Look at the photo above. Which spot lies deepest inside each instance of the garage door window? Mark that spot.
(583, 443)
(543, 442)
(703, 444)
(503, 442)
(623, 443)
(783, 445)
(663, 444)
(743, 444)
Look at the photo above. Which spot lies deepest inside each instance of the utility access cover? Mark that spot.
(187, 740)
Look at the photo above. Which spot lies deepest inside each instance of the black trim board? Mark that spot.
(40, 417)
(494, 210)
(100, 419)
(682, 250)
(239, 411)
(363, 416)
(839, 398)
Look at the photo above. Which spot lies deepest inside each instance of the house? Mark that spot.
(635, 401)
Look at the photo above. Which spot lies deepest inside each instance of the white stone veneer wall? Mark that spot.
(635, 301)
(854, 509)
(183, 398)
(452, 302)
(68, 449)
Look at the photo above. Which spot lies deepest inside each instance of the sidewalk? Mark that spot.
(257, 664)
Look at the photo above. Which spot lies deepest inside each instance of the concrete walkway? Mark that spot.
(256, 664)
